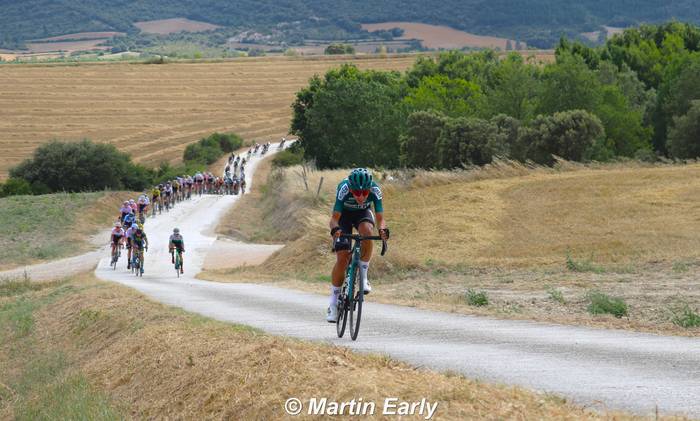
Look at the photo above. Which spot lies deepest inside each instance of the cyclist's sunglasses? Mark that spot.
(360, 193)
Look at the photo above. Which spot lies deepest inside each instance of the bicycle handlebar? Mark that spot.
(358, 237)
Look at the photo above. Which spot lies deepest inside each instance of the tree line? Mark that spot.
(88, 166)
(637, 96)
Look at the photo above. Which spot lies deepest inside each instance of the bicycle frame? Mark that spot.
(350, 272)
(350, 302)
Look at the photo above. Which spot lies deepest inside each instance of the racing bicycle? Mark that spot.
(352, 292)
(137, 261)
(178, 261)
(116, 254)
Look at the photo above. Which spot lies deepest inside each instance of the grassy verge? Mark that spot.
(41, 228)
(83, 349)
(515, 232)
(38, 380)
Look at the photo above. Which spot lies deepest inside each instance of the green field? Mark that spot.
(39, 228)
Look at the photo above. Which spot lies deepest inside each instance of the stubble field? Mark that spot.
(154, 111)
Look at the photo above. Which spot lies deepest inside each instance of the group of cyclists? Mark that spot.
(355, 197)
(128, 230)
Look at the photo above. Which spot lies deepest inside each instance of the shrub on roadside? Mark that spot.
(601, 303)
(15, 187)
(477, 298)
(582, 265)
(288, 158)
(685, 317)
(566, 134)
(166, 171)
(556, 295)
(209, 149)
(80, 166)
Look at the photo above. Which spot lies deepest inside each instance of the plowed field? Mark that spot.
(154, 111)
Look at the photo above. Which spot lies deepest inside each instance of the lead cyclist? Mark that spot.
(352, 209)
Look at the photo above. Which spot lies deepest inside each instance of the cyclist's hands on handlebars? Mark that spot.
(384, 233)
(336, 232)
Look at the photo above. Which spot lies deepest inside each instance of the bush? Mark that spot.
(15, 187)
(684, 136)
(645, 155)
(209, 149)
(556, 295)
(567, 134)
(470, 141)
(82, 166)
(419, 144)
(685, 317)
(339, 49)
(288, 158)
(582, 265)
(166, 172)
(478, 299)
(600, 303)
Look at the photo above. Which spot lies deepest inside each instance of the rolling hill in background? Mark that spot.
(539, 23)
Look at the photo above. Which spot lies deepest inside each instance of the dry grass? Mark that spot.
(154, 111)
(627, 229)
(433, 36)
(246, 225)
(616, 216)
(508, 215)
(170, 26)
(164, 363)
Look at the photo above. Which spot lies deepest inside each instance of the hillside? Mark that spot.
(537, 242)
(537, 22)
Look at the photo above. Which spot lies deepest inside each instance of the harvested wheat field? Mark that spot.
(171, 26)
(81, 36)
(433, 36)
(154, 111)
(68, 46)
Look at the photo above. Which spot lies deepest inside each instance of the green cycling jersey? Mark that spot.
(344, 200)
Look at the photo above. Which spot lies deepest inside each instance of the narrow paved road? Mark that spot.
(607, 369)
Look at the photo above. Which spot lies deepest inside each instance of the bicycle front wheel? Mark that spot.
(342, 316)
(355, 310)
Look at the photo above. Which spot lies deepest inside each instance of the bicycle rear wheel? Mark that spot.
(355, 307)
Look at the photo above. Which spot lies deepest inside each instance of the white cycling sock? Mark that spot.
(335, 291)
(364, 267)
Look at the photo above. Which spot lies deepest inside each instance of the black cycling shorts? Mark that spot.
(348, 221)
